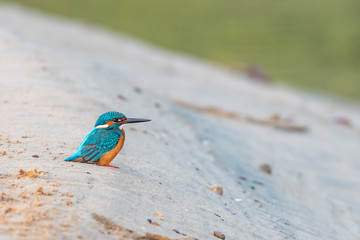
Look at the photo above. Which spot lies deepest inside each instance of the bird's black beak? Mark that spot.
(134, 120)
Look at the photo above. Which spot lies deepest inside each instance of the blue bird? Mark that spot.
(105, 141)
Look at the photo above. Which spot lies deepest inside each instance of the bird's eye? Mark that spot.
(115, 120)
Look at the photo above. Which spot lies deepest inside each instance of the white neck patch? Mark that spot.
(121, 127)
(102, 126)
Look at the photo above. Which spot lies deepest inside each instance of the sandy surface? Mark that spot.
(210, 127)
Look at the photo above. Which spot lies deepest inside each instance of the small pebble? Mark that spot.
(219, 235)
(343, 121)
(266, 168)
(218, 189)
(155, 223)
(35, 156)
(159, 215)
(243, 178)
(137, 90)
(121, 97)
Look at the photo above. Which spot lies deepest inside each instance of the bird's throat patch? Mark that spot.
(102, 126)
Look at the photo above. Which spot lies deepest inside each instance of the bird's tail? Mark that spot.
(73, 158)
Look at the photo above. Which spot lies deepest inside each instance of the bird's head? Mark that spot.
(111, 120)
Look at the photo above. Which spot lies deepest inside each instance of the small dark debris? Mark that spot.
(266, 168)
(178, 232)
(155, 224)
(145, 132)
(217, 215)
(242, 178)
(252, 187)
(260, 204)
(258, 183)
(133, 129)
(149, 220)
(88, 172)
(157, 105)
(343, 121)
(291, 128)
(219, 235)
(35, 156)
(197, 169)
(137, 90)
(121, 97)
(257, 73)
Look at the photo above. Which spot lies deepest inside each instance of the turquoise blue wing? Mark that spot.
(96, 143)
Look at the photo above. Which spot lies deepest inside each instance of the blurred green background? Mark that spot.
(309, 43)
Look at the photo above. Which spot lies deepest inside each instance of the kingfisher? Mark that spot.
(105, 141)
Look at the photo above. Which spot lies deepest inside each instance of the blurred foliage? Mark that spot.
(308, 43)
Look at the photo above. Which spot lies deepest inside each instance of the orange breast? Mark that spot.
(106, 158)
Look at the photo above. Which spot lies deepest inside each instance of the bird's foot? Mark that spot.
(110, 166)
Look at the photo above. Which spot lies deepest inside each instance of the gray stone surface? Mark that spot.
(209, 126)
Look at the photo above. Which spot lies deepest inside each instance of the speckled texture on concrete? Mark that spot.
(58, 76)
